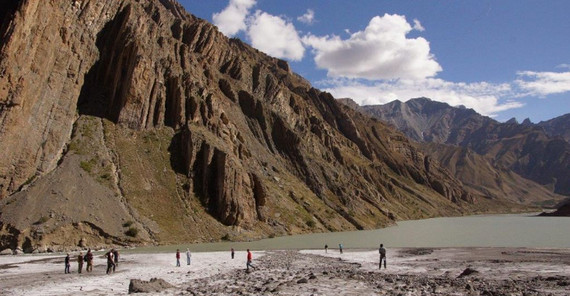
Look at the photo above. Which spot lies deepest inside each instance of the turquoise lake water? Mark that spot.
(521, 230)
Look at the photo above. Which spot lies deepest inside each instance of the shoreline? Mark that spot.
(431, 271)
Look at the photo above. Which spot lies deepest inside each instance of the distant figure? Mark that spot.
(340, 248)
(326, 248)
(233, 253)
(178, 257)
(249, 259)
(188, 256)
(116, 257)
(89, 259)
(79, 262)
(67, 264)
(110, 261)
(382, 252)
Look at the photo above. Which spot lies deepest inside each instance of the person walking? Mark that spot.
(249, 260)
(326, 248)
(89, 259)
(116, 258)
(233, 253)
(67, 265)
(382, 252)
(188, 256)
(79, 262)
(110, 261)
(177, 257)
(340, 248)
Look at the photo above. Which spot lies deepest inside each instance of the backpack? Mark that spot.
(85, 258)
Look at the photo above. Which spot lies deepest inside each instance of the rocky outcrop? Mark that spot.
(190, 135)
(561, 211)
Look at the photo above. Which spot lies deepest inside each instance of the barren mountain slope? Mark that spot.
(526, 149)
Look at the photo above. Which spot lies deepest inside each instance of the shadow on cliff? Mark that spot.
(105, 85)
(177, 159)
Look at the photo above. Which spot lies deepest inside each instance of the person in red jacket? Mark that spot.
(178, 257)
(249, 259)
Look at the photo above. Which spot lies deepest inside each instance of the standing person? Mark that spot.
(188, 256)
(326, 248)
(178, 257)
(382, 252)
(110, 261)
(67, 264)
(79, 262)
(249, 259)
(89, 259)
(233, 253)
(340, 248)
(116, 257)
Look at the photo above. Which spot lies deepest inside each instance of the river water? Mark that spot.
(521, 230)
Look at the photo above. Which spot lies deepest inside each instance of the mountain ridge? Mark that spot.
(526, 149)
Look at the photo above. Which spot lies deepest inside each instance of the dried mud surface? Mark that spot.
(421, 271)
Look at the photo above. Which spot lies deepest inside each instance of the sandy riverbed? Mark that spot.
(499, 271)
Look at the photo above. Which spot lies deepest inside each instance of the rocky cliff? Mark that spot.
(526, 149)
(135, 122)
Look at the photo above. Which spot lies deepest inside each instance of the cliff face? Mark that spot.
(523, 148)
(186, 134)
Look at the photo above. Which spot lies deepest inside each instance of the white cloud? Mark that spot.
(274, 36)
(231, 20)
(418, 26)
(307, 18)
(381, 51)
(543, 83)
(485, 98)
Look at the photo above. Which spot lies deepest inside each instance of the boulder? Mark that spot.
(154, 285)
(7, 252)
(468, 271)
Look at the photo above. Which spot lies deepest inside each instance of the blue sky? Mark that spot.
(502, 58)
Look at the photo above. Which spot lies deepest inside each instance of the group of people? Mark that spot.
(189, 256)
(381, 250)
(112, 261)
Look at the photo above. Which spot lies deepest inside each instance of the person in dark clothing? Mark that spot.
(67, 265)
(382, 252)
(233, 253)
(249, 260)
(110, 261)
(89, 259)
(326, 248)
(178, 257)
(79, 262)
(116, 259)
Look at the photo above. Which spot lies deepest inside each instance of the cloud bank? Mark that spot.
(231, 20)
(483, 97)
(380, 52)
(275, 36)
(542, 84)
